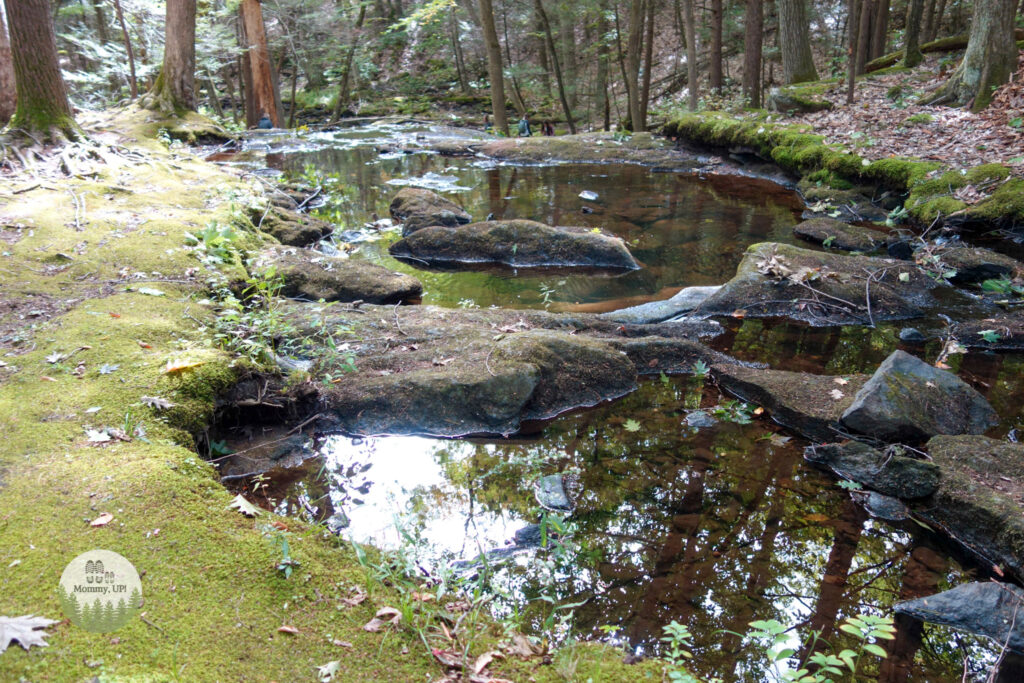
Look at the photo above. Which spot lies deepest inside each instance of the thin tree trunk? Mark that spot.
(691, 55)
(260, 97)
(633, 45)
(42, 109)
(795, 42)
(852, 24)
(211, 90)
(715, 56)
(8, 99)
(864, 34)
(912, 46)
(558, 70)
(295, 84)
(602, 66)
(753, 30)
(345, 88)
(494, 67)
(101, 22)
(175, 87)
(517, 95)
(879, 29)
(234, 85)
(133, 83)
(941, 10)
(460, 63)
(927, 32)
(645, 90)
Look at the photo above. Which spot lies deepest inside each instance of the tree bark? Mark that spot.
(691, 55)
(912, 46)
(990, 58)
(558, 69)
(852, 33)
(879, 29)
(260, 92)
(175, 87)
(494, 67)
(345, 86)
(101, 22)
(42, 109)
(7, 86)
(603, 107)
(460, 62)
(753, 29)
(133, 81)
(929, 21)
(645, 88)
(867, 11)
(795, 43)
(633, 47)
(715, 57)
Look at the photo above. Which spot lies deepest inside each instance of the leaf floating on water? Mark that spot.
(25, 630)
(157, 402)
(631, 425)
(244, 506)
(103, 520)
(384, 616)
(176, 366)
(779, 440)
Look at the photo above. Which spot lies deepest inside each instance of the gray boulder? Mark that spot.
(994, 610)
(416, 208)
(909, 400)
(516, 243)
(682, 302)
(893, 475)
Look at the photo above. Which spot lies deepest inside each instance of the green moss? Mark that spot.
(918, 119)
(1006, 205)
(899, 174)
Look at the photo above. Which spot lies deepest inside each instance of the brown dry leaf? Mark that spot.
(47, 378)
(759, 411)
(279, 525)
(447, 657)
(841, 381)
(384, 616)
(356, 599)
(941, 366)
(103, 520)
(423, 597)
(144, 344)
(485, 659)
(522, 647)
(740, 314)
(178, 366)
(341, 643)
(288, 629)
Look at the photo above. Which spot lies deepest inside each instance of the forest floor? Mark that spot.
(108, 369)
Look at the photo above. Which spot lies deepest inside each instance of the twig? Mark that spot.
(301, 425)
(398, 324)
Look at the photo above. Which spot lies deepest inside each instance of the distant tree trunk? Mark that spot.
(633, 48)
(260, 91)
(715, 55)
(132, 81)
(912, 38)
(345, 86)
(691, 55)
(852, 33)
(867, 11)
(545, 61)
(558, 70)
(494, 67)
(645, 88)
(7, 86)
(753, 29)
(175, 87)
(795, 42)
(101, 22)
(460, 62)
(211, 90)
(929, 21)
(518, 101)
(603, 107)
(880, 29)
(990, 58)
(937, 20)
(42, 109)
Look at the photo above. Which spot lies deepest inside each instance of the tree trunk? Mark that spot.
(880, 29)
(175, 87)
(260, 92)
(645, 88)
(345, 86)
(558, 70)
(518, 101)
(633, 46)
(927, 33)
(494, 67)
(211, 90)
(7, 86)
(867, 12)
(852, 33)
(691, 55)
(133, 82)
(795, 43)
(912, 45)
(460, 62)
(990, 58)
(940, 11)
(603, 107)
(101, 22)
(42, 108)
(753, 29)
(715, 57)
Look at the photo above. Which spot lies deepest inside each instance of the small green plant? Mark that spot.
(1004, 286)
(896, 216)
(214, 243)
(918, 119)
(849, 485)
(287, 563)
(546, 292)
(827, 243)
(700, 369)
(731, 410)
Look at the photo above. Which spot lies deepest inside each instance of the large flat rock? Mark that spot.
(994, 610)
(417, 208)
(835, 234)
(892, 475)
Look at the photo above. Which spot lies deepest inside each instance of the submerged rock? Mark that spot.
(909, 400)
(994, 610)
(310, 275)
(417, 208)
(699, 419)
(974, 264)
(882, 506)
(550, 493)
(835, 234)
(808, 404)
(820, 288)
(291, 228)
(684, 301)
(892, 475)
(912, 335)
(1002, 331)
(516, 243)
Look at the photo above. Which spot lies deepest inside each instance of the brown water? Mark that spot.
(712, 527)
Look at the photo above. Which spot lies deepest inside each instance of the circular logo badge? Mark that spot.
(100, 591)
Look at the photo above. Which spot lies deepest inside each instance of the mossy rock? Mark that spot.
(975, 264)
(796, 100)
(891, 475)
(310, 275)
(518, 243)
(835, 234)
(416, 208)
(290, 227)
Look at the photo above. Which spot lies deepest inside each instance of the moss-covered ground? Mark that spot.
(115, 296)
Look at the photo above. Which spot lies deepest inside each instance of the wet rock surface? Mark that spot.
(685, 301)
(839, 235)
(778, 280)
(519, 243)
(887, 473)
(290, 227)
(550, 493)
(909, 400)
(1002, 331)
(994, 610)
(416, 208)
(974, 264)
(803, 402)
(310, 275)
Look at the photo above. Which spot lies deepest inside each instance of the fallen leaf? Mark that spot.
(143, 344)
(174, 366)
(288, 629)
(25, 630)
(97, 435)
(93, 410)
(384, 616)
(115, 315)
(740, 314)
(522, 647)
(55, 357)
(157, 402)
(150, 291)
(326, 672)
(107, 369)
(841, 381)
(423, 597)
(941, 366)
(356, 599)
(483, 660)
(631, 425)
(279, 525)
(47, 378)
(103, 520)
(758, 411)
(341, 643)
(242, 505)
(450, 659)
(836, 394)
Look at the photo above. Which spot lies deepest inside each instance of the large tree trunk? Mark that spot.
(912, 38)
(715, 56)
(990, 58)
(633, 48)
(645, 88)
(879, 29)
(753, 20)
(603, 108)
(795, 43)
(345, 86)
(132, 81)
(175, 87)
(7, 87)
(558, 69)
(867, 11)
(260, 92)
(42, 110)
(494, 67)
(691, 55)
